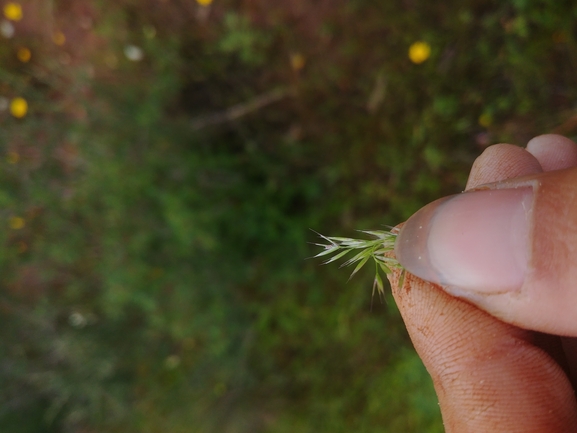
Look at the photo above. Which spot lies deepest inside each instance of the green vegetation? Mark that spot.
(163, 167)
(379, 249)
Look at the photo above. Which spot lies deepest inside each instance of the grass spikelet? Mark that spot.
(381, 242)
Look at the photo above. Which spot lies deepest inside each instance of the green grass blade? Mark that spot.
(356, 258)
(335, 258)
(376, 233)
(327, 251)
(360, 265)
(402, 279)
(385, 268)
(380, 285)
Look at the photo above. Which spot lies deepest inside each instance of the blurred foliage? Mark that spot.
(158, 188)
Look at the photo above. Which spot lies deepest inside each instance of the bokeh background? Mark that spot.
(163, 161)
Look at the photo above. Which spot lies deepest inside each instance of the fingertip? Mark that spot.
(554, 152)
(487, 374)
(476, 241)
(501, 162)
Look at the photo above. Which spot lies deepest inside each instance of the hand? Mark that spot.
(492, 284)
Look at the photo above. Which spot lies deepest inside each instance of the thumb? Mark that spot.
(489, 376)
(509, 247)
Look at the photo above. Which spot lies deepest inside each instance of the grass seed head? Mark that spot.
(381, 242)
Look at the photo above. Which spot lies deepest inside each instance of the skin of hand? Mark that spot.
(490, 294)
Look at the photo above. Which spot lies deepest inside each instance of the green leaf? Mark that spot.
(360, 265)
(328, 251)
(356, 258)
(402, 279)
(385, 268)
(339, 240)
(379, 285)
(355, 243)
(338, 256)
(377, 234)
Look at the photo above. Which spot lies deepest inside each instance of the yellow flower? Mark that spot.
(485, 120)
(24, 54)
(297, 61)
(13, 11)
(58, 38)
(419, 52)
(18, 107)
(13, 157)
(204, 2)
(16, 223)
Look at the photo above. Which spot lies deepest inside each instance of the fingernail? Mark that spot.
(475, 241)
